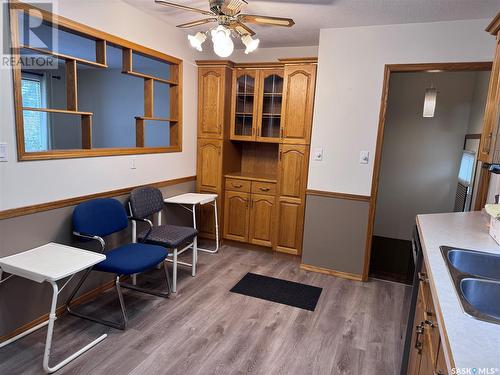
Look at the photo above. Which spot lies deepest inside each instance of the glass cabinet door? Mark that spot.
(244, 115)
(270, 105)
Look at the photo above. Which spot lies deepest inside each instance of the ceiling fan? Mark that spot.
(230, 23)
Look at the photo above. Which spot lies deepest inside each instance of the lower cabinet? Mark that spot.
(290, 217)
(426, 355)
(236, 216)
(249, 217)
(261, 219)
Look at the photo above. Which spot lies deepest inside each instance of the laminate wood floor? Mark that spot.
(357, 328)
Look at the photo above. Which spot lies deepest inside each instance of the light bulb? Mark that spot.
(430, 102)
(197, 40)
(250, 43)
(223, 44)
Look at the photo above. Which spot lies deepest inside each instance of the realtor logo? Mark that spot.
(33, 34)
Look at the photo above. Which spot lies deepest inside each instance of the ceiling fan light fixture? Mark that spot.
(250, 43)
(197, 40)
(223, 44)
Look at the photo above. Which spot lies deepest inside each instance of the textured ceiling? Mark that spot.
(311, 16)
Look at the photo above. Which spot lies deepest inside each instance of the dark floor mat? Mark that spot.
(277, 290)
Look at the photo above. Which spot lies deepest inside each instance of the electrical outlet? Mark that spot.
(3, 152)
(132, 164)
(364, 157)
(318, 154)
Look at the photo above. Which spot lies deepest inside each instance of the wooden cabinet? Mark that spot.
(236, 214)
(427, 351)
(292, 181)
(290, 223)
(270, 105)
(292, 178)
(261, 219)
(489, 149)
(254, 127)
(257, 103)
(244, 113)
(249, 217)
(209, 165)
(274, 105)
(211, 91)
(298, 103)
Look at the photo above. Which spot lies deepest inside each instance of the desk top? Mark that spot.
(50, 262)
(192, 198)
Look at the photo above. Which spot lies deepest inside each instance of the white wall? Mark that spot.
(421, 156)
(25, 183)
(349, 87)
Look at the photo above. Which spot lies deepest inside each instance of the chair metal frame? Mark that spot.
(175, 251)
(118, 285)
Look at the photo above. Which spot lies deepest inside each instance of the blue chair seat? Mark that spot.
(132, 258)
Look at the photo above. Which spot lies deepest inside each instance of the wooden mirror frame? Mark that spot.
(101, 39)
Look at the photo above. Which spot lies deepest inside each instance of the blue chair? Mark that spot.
(98, 218)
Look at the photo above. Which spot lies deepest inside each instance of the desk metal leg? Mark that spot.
(50, 331)
(216, 229)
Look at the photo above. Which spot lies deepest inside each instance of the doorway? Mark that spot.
(430, 125)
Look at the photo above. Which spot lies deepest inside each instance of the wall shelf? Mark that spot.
(64, 57)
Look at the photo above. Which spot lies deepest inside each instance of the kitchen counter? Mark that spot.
(469, 343)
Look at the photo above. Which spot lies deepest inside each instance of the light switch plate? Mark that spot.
(364, 157)
(3, 151)
(318, 154)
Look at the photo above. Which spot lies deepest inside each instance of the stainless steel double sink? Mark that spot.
(476, 276)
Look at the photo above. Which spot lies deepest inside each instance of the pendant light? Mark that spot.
(430, 101)
(223, 44)
(197, 40)
(250, 43)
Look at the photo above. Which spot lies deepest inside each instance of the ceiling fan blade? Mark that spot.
(266, 20)
(242, 29)
(196, 23)
(183, 7)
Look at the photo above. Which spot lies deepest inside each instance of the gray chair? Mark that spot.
(148, 201)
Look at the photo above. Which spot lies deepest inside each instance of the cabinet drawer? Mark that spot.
(267, 188)
(238, 185)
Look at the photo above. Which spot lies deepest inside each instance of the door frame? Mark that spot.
(402, 68)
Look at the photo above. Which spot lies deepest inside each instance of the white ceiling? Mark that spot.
(311, 16)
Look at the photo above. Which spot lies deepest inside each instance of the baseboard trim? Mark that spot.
(327, 271)
(287, 251)
(331, 194)
(60, 310)
(28, 210)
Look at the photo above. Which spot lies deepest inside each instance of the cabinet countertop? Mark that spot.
(469, 343)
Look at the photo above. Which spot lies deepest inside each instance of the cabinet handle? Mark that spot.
(264, 189)
(430, 323)
(281, 132)
(420, 331)
(219, 127)
(422, 277)
(237, 186)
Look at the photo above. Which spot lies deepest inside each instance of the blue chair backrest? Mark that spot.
(99, 217)
(146, 201)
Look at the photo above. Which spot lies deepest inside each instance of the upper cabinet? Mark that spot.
(489, 150)
(270, 105)
(213, 90)
(244, 118)
(298, 103)
(273, 104)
